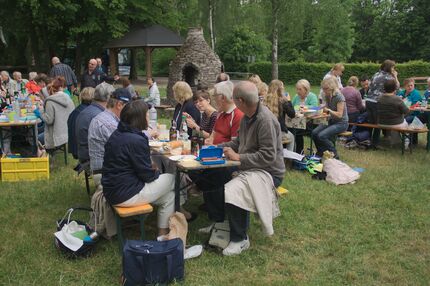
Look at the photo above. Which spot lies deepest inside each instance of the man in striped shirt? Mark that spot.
(60, 69)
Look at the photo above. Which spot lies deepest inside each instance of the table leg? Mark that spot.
(177, 189)
(34, 140)
(428, 133)
(1, 139)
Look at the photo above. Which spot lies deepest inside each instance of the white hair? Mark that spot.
(224, 88)
(32, 75)
(55, 60)
(103, 92)
(17, 74)
(5, 73)
(247, 91)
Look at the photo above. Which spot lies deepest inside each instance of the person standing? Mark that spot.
(153, 94)
(364, 83)
(64, 70)
(92, 77)
(386, 72)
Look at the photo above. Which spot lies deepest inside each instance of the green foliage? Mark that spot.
(332, 37)
(160, 61)
(236, 48)
(290, 73)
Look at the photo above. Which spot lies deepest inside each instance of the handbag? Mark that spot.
(74, 238)
(150, 262)
(220, 235)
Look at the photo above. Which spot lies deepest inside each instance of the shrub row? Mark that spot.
(290, 73)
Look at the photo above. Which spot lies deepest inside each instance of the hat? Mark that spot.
(122, 94)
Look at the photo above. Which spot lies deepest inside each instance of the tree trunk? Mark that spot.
(78, 56)
(133, 67)
(211, 27)
(275, 10)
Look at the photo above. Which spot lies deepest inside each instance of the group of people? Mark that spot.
(108, 133)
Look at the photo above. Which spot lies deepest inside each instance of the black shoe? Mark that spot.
(193, 217)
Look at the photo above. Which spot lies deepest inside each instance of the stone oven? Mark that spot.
(196, 63)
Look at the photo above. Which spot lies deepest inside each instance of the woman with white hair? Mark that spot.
(338, 120)
(184, 96)
(304, 97)
(32, 86)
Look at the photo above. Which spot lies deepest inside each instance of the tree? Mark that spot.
(332, 36)
(240, 46)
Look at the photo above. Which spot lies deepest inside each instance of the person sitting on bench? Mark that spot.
(338, 121)
(391, 108)
(128, 176)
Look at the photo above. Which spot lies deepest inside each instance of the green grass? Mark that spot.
(374, 232)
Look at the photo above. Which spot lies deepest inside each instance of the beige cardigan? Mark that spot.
(253, 190)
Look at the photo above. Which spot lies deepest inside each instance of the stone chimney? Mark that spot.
(195, 62)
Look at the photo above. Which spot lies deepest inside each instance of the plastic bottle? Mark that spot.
(183, 132)
(153, 117)
(94, 236)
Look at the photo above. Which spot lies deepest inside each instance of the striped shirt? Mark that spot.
(207, 123)
(101, 128)
(65, 71)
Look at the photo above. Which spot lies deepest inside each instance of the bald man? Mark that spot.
(60, 69)
(93, 76)
(258, 148)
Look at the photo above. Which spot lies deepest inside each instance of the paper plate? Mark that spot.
(182, 157)
(155, 144)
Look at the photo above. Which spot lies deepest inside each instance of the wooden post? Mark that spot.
(148, 62)
(113, 55)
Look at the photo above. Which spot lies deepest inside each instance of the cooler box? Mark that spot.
(24, 169)
(211, 156)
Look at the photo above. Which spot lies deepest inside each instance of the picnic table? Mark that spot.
(425, 110)
(184, 166)
(27, 124)
(301, 122)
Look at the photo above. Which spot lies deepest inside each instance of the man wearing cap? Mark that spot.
(101, 127)
(83, 121)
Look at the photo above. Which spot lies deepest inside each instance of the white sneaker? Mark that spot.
(206, 230)
(235, 248)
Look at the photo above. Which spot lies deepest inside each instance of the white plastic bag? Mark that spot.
(339, 173)
(416, 124)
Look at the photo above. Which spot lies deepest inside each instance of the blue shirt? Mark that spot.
(414, 96)
(82, 124)
(427, 94)
(71, 124)
(101, 128)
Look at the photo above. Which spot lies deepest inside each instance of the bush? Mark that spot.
(290, 73)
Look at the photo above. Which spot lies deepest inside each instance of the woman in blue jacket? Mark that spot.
(129, 177)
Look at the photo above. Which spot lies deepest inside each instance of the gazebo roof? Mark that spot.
(153, 36)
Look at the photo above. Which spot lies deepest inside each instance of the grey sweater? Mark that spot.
(57, 109)
(259, 143)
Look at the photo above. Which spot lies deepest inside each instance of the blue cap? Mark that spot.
(122, 94)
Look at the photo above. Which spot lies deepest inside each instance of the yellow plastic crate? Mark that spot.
(24, 169)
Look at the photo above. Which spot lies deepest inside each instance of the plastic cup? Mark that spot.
(11, 115)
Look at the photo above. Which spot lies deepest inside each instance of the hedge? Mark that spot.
(290, 73)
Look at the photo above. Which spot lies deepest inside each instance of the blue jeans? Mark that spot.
(323, 136)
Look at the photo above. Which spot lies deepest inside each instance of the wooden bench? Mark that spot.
(140, 212)
(404, 132)
(420, 80)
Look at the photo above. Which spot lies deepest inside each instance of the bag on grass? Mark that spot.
(220, 235)
(151, 262)
(73, 236)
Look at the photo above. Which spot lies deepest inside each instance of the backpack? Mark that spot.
(151, 262)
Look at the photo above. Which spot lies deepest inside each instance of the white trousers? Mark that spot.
(160, 193)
